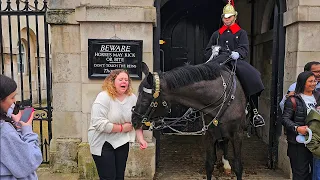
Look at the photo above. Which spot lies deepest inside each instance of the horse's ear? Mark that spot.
(150, 78)
(144, 68)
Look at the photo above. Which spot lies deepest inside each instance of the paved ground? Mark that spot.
(44, 174)
(182, 158)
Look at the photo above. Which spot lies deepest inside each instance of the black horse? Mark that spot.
(210, 88)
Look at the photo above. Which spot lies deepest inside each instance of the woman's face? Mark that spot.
(121, 83)
(8, 101)
(310, 84)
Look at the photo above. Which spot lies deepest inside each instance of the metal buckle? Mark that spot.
(144, 120)
(258, 120)
(215, 122)
(164, 103)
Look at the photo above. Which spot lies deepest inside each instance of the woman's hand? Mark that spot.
(302, 130)
(291, 93)
(17, 118)
(143, 143)
(127, 127)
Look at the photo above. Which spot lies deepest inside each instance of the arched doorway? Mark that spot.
(186, 27)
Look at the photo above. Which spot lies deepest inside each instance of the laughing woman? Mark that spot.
(110, 128)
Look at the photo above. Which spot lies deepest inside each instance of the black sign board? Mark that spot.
(105, 55)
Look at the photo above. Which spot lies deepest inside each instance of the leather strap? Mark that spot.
(294, 103)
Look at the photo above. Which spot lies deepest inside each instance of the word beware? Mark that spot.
(115, 48)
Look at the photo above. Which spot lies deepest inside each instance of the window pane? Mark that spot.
(21, 59)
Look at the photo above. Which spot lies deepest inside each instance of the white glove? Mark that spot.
(215, 50)
(235, 55)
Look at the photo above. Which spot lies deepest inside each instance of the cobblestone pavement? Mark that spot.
(182, 158)
(44, 174)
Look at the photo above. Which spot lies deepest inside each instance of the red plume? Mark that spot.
(232, 3)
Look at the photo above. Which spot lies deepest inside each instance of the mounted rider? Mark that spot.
(233, 41)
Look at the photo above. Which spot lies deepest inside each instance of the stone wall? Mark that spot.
(72, 24)
(302, 28)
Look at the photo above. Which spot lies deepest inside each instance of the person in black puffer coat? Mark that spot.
(296, 108)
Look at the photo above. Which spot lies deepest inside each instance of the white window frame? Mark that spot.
(23, 56)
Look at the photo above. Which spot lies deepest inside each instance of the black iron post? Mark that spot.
(277, 83)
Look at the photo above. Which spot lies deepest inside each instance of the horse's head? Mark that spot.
(150, 104)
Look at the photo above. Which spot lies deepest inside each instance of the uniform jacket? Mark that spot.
(230, 39)
(236, 39)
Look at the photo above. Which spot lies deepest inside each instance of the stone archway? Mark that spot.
(267, 18)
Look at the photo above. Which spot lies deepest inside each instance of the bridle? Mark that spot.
(226, 97)
(155, 91)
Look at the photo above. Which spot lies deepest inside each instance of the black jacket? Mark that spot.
(292, 118)
(229, 42)
(248, 76)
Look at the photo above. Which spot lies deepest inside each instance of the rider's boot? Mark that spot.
(257, 119)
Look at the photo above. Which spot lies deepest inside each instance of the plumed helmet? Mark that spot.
(229, 10)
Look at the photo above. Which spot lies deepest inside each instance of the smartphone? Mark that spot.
(26, 114)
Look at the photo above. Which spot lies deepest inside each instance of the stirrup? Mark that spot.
(258, 120)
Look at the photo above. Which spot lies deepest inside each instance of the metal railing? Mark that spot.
(24, 56)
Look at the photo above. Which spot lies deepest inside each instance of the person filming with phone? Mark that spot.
(20, 155)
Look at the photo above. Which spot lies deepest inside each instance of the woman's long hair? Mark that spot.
(7, 86)
(301, 81)
(108, 84)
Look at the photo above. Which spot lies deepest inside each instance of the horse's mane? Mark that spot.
(189, 74)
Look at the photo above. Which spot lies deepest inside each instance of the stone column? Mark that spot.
(302, 24)
(72, 24)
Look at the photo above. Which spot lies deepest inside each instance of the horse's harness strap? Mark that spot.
(234, 89)
(232, 92)
(154, 104)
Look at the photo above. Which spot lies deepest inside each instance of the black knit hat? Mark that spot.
(7, 86)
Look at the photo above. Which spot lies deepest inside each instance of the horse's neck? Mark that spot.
(198, 94)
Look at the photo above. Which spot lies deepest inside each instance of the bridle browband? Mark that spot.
(155, 91)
